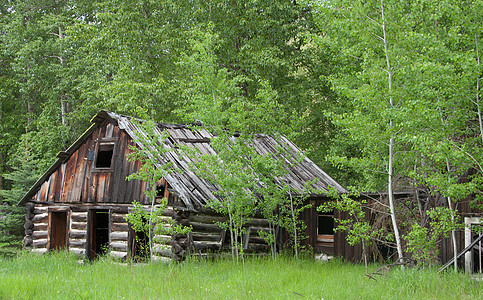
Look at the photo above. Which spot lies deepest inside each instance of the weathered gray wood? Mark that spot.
(115, 208)
(119, 227)
(200, 246)
(162, 238)
(162, 259)
(40, 226)
(163, 251)
(77, 234)
(40, 210)
(78, 225)
(258, 222)
(28, 224)
(118, 218)
(256, 229)
(256, 240)
(39, 250)
(78, 251)
(118, 254)
(203, 227)
(40, 217)
(118, 246)
(77, 243)
(79, 217)
(119, 236)
(39, 243)
(200, 236)
(205, 218)
(39, 234)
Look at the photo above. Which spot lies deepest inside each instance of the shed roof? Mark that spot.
(193, 190)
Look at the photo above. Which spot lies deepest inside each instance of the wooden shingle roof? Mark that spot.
(191, 189)
(195, 191)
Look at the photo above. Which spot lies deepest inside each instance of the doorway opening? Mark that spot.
(58, 230)
(139, 245)
(98, 233)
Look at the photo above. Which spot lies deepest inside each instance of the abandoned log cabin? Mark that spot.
(81, 201)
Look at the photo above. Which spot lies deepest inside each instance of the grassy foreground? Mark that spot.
(60, 276)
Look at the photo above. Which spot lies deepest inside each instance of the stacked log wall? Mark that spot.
(164, 244)
(78, 232)
(118, 235)
(29, 226)
(38, 224)
(207, 237)
(122, 237)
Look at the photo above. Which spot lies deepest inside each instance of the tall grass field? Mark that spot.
(62, 276)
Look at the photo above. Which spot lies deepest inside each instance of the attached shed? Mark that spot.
(80, 202)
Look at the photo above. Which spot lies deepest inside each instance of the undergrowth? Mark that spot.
(64, 276)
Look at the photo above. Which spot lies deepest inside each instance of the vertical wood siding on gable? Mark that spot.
(76, 180)
(57, 186)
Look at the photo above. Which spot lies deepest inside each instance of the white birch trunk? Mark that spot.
(453, 232)
(391, 143)
(478, 89)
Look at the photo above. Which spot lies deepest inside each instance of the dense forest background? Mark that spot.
(383, 95)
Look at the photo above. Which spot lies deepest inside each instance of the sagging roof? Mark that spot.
(193, 190)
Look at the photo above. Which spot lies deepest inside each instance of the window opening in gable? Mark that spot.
(160, 189)
(104, 155)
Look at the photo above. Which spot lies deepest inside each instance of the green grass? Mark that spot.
(60, 276)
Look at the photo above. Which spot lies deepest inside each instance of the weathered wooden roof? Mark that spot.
(193, 190)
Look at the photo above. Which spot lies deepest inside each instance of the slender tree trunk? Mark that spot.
(233, 241)
(478, 88)
(391, 142)
(64, 105)
(271, 226)
(364, 253)
(150, 238)
(294, 226)
(453, 232)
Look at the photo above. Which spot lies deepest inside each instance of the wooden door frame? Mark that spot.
(65, 211)
(91, 229)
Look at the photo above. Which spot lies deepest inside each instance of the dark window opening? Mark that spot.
(160, 190)
(325, 224)
(99, 233)
(58, 230)
(104, 155)
(325, 233)
(139, 245)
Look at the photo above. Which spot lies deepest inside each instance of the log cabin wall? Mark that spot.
(208, 238)
(342, 247)
(318, 242)
(78, 231)
(320, 234)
